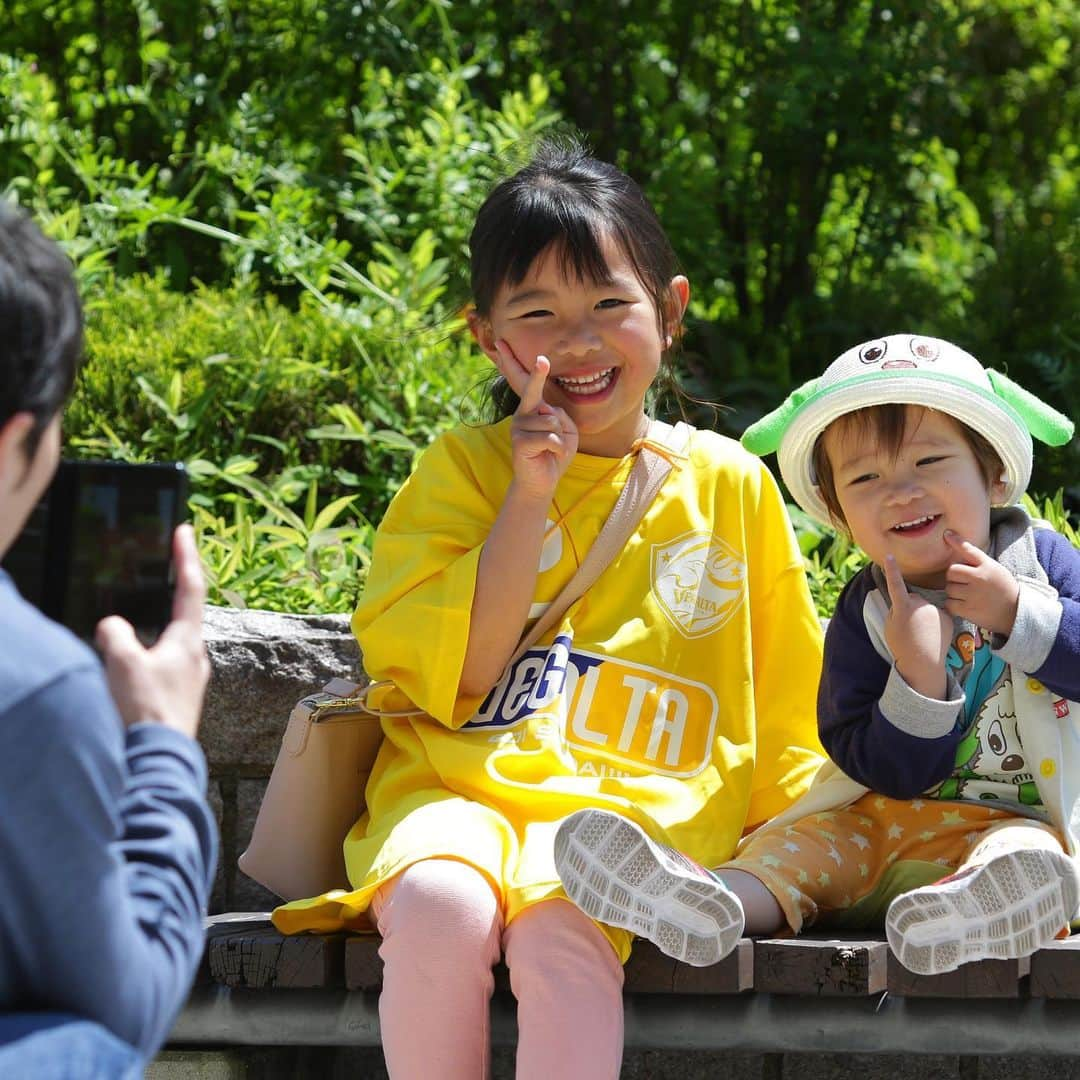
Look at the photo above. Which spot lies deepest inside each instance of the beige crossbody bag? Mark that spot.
(316, 790)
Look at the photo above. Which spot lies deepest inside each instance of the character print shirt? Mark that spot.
(887, 736)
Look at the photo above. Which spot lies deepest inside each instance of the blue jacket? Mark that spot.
(883, 736)
(892, 739)
(107, 845)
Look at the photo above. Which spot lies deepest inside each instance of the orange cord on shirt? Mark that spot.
(663, 451)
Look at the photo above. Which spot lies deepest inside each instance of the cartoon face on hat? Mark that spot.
(914, 370)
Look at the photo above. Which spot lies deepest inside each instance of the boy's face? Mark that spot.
(903, 506)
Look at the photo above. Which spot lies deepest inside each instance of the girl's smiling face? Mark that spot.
(902, 505)
(604, 339)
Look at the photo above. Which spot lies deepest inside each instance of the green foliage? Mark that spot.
(836, 171)
(225, 372)
(262, 404)
(1052, 510)
(268, 205)
(208, 372)
(832, 560)
(294, 162)
(265, 554)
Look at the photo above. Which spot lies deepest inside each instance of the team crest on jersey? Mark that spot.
(699, 581)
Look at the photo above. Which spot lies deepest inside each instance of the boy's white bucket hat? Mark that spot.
(913, 370)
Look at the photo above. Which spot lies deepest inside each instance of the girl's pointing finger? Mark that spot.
(532, 396)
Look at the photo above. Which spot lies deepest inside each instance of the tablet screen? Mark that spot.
(99, 543)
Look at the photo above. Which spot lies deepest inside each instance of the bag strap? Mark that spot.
(651, 469)
(656, 452)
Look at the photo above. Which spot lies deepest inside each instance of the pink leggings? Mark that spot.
(442, 933)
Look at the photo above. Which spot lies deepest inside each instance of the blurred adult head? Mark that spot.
(40, 352)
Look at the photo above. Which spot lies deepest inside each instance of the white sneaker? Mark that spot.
(618, 876)
(1004, 909)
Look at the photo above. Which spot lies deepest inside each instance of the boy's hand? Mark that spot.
(979, 588)
(918, 635)
(544, 438)
(165, 683)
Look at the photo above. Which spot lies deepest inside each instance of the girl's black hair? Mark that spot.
(566, 198)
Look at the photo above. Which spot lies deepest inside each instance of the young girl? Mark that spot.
(677, 692)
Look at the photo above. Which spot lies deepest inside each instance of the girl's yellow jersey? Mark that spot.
(679, 691)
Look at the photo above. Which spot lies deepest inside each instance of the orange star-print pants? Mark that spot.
(843, 867)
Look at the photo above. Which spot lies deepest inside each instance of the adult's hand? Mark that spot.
(164, 684)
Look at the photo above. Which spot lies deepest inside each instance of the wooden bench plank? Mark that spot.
(251, 953)
(363, 965)
(225, 926)
(820, 967)
(980, 979)
(1055, 970)
(244, 950)
(647, 972)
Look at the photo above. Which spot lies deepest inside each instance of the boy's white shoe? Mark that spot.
(618, 876)
(1004, 909)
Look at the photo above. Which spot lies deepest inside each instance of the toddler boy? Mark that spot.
(948, 695)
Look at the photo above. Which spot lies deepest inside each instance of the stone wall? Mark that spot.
(262, 663)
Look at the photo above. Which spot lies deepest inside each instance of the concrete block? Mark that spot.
(262, 663)
(871, 1067)
(219, 893)
(689, 1065)
(1029, 1068)
(196, 1065)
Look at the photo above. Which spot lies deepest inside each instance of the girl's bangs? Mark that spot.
(548, 223)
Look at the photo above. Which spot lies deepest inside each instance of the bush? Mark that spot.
(219, 373)
(827, 172)
(296, 427)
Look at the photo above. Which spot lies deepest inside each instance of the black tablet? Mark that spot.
(100, 543)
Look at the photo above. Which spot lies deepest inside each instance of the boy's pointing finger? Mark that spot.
(894, 580)
(971, 554)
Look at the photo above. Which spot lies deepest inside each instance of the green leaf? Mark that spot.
(329, 513)
(395, 440)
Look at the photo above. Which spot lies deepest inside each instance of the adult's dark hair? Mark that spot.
(40, 323)
(566, 199)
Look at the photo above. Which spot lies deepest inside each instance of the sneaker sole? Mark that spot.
(618, 876)
(1007, 909)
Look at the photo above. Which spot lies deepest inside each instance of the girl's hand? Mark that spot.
(543, 436)
(918, 635)
(979, 588)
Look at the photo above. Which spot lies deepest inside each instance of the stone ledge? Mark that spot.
(753, 1023)
(262, 663)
